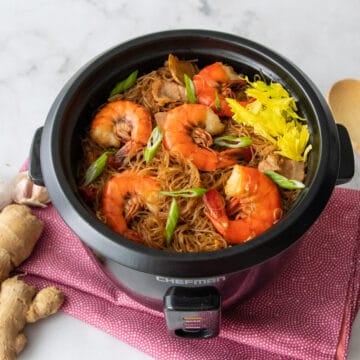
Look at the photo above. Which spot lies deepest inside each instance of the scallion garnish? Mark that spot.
(283, 181)
(190, 89)
(171, 221)
(232, 142)
(124, 84)
(153, 144)
(187, 193)
(96, 168)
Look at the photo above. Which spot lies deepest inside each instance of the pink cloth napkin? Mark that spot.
(305, 313)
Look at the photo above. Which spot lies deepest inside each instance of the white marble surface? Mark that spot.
(42, 43)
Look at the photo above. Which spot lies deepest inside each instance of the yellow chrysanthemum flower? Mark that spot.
(273, 115)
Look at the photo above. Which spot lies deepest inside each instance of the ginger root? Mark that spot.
(19, 303)
(19, 232)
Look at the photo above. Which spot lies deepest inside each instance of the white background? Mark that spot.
(42, 43)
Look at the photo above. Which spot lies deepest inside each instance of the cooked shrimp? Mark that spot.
(253, 205)
(188, 129)
(122, 122)
(123, 195)
(212, 85)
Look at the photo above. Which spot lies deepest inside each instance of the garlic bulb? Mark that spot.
(27, 193)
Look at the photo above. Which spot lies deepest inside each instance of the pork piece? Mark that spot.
(165, 92)
(291, 169)
(159, 118)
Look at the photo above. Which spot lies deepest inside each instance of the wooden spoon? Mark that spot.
(344, 102)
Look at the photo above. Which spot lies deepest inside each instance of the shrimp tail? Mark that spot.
(231, 156)
(215, 210)
(235, 232)
(125, 150)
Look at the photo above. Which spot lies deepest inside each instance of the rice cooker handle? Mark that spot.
(347, 163)
(35, 172)
(193, 312)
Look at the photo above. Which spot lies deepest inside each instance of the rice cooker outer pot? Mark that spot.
(74, 107)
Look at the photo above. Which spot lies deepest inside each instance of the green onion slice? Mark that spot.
(153, 144)
(186, 193)
(96, 168)
(284, 182)
(171, 221)
(125, 84)
(190, 89)
(232, 142)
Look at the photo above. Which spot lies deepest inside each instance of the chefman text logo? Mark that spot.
(176, 281)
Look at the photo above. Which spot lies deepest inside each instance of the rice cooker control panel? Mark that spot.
(193, 312)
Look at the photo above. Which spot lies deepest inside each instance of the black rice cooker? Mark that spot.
(192, 288)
